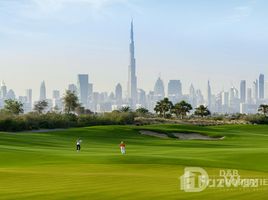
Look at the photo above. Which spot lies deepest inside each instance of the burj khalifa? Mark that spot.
(132, 78)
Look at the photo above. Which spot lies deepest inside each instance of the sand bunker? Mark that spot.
(154, 134)
(194, 136)
(181, 136)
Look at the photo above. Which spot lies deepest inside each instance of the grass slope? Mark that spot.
(46, 165)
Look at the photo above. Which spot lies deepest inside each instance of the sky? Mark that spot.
(190, 40)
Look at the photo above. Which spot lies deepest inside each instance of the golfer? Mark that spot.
(78, 144)
(123, 147)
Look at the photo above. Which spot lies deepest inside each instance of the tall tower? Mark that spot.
(43, 95)
(261, 86)
(243, 91)
(83, 92)
(132, 79)
(209, 95)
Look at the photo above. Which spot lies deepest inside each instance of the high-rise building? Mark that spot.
(255, 90)
(90, 91)
(141, 98)
(261, 86)
(3, 90)
(43, 95)
(243, 91)
(192, 96)
(118, 93)
(56, 94)
(209, 95)
(11, 94)
(29, 95)
(132, 79)
(249, 96)
(159, 90)
(174, 90)
(83, 89)
(72, 88)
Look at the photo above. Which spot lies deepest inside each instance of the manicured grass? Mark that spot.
(46, 165)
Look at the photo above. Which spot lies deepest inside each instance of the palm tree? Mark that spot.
(182, 108)
(40, 106)
(163, 107)
(202, 111)
(142, 111)
(263, 108)
(13, 107)
(70, 102)
(125, 109)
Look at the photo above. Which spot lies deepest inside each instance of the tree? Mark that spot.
(142, 111)
(182, 108)
(125, 109)
(202, 111)
(80, 110)
(13, 107)
(263, 108)
(163, 107)
(40, 106)
(70, 102)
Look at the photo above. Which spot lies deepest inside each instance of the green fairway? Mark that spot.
(47, 166)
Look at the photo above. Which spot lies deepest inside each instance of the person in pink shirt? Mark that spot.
(123, 147)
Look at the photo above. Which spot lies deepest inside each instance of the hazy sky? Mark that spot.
(190, 40)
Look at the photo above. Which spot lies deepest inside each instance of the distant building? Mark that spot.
(261, 86)
(11, 94)
(159, 90)
(132, 79)
(29, 95)
(3, 90)
(255, 90)
(72, 88)
(43, 95)
(209, 96)
(249, 96)
(141, 98)
(118, 94)
(56, 94)
(192, 96)
(243, 91)
(174, 90)
(83, 89)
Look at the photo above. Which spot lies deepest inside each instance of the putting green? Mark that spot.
(46, 165)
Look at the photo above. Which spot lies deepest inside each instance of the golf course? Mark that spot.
(46, 165)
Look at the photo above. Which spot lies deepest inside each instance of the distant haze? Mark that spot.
(193, 41)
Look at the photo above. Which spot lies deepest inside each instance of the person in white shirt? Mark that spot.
(78, 144)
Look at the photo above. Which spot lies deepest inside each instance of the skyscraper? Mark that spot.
(29, 95)
(132, 79)
(3, 90)
(243, 91)
(72, 88)
(255, 90)
(209, 95)
(141, 98)
(118, 93)
(261, 86)
(83, 89)
(56, 94)
(174, 90)
(43, 95)
(159, 90)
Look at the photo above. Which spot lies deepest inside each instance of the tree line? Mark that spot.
(165, 108)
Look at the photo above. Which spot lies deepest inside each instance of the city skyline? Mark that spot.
(41, 41)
